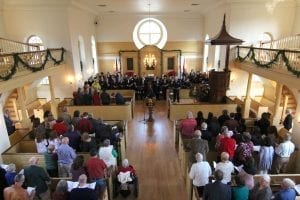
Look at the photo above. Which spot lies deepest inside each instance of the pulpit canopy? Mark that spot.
(223, 37)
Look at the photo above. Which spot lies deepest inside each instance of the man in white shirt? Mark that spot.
(199, 173)
(283, 152)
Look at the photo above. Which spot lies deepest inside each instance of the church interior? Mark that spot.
(225, 54)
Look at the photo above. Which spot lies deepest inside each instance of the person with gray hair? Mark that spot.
(65, 155)
(288, 191)
(217, 190)
(187, 126)
(198, 145)
(199, 173)
(106, 154)
(262, 189)
(16, 191)
(227, 144)
(61, 191)
(206, 134)
(37, 177)
(10, 174)
(226, 167)
(283, 152)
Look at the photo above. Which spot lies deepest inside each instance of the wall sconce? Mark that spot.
(70, 79)
(78, 77)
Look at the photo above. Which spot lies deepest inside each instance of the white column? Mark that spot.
(25, 122)
(247, 101)
(277, 110)
(52, 101)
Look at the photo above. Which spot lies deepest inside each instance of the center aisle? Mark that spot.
(151, 150)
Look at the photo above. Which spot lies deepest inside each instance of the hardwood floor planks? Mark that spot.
(151, 151)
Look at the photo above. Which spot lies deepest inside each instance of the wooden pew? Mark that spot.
(178, 111)
(120, 112)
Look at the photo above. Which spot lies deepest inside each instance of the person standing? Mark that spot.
(96, 170)
(288, 120)
(36, 176)
(198, 145)
(10, 125)
(199, 173)
(217, 190)
(176, 88)
(283, 152)
(65, 157)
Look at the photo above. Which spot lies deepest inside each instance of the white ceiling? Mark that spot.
(156, 6)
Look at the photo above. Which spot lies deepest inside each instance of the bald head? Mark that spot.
(65, 140)
(82, 179)
(33, 161)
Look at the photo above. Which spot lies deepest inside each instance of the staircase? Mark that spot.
(11, 105)
(291, 102)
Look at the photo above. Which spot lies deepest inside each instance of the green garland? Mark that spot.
(17, 59)
(251, 55)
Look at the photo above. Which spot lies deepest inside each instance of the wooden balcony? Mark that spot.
(276, 64)
(17, 69)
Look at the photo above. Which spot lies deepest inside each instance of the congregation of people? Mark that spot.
(63, 142)
(241, 153)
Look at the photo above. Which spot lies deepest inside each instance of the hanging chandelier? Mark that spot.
(150, 61)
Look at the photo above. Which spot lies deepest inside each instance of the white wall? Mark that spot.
(2, 31)
(249, 20)
(119, 28)
(81, 23)
(296, 27)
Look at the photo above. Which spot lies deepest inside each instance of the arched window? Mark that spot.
(205, 55)
(81, 53)
(94, 54)
(35, 40)
(265, 40)
(150, 31)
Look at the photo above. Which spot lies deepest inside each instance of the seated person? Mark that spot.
(287, 192)
(82, 191)
(125, 175)
(119, 99)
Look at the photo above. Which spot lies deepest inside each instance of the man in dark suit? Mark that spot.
(217, 190)
(288, 120)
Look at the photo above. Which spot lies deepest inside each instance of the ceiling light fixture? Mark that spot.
(102, 5)
(195, 4)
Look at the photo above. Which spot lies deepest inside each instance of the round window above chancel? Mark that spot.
(150, 31)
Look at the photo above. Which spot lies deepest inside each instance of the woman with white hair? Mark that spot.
(188, 126)
(226, 167)
(10, 174)
(287, 192)
(126, 167)
(262, 190)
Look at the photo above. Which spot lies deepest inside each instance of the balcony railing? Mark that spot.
(277, 59)
(12, 46)
(17, 64)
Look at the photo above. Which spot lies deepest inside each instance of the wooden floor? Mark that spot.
(151, 151)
